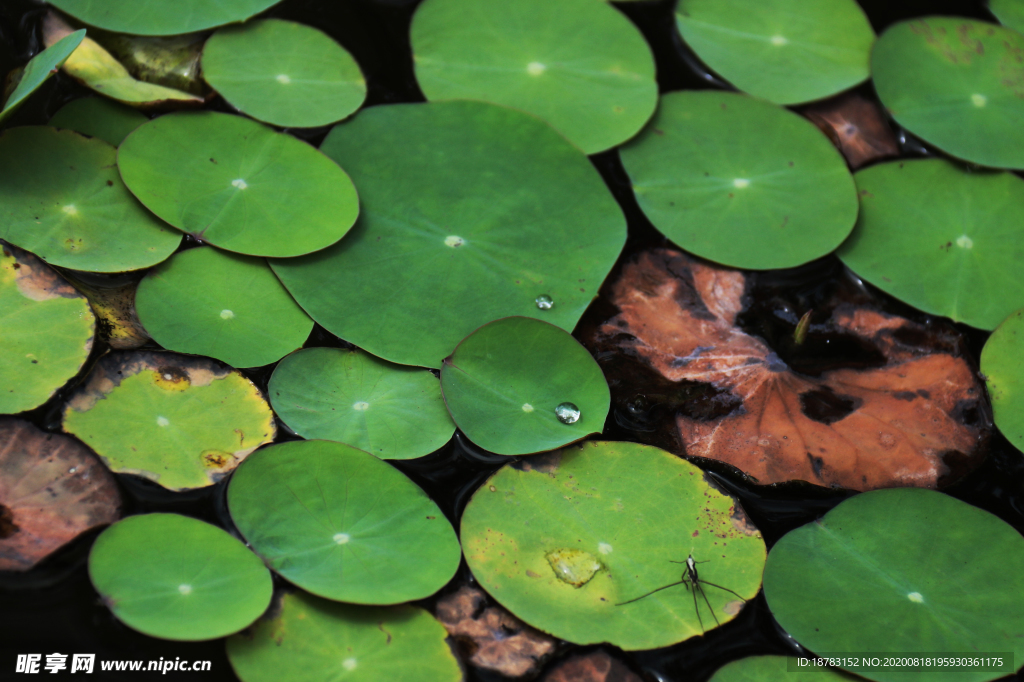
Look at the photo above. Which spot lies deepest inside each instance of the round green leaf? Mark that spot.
(784, 51)
(477, 208)
(956, 83)
(230, 307)
(901, 570)
(773, 669)
(176, 577)
(518, 386)
(39, 68)
(390, 411)
(942, 239)
(47, 331)
(237, 184)
(342, 524)
(98, 117)
(62, 199)
(1002, 364)
(580, 65)
(1010, 13)
(180, 421)
(161, 17)
(283, 73)
(312, 640)
(740, 181)
(571, 541)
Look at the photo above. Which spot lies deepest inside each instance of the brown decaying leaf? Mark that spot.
(596, 666)
(907, 423)
(114, 305)
(856, 125)
(492, 637)
(52, 489)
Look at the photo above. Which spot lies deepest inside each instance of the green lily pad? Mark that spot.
(740, 181)
(210, 302)
(940, 238)
(571, 542)
(482, 210)
(518, 386)
(1010, 13)
(38, 69)
(342, 524)
(98, 117)
(237, 184)
(784, 51)
(580, 65)
(283, 73)
(62, 199)
(183, 422)
(773, 669)
(161, 17)
(311, 640)
(176, 577)
(957, 84)
(901, 570)
(390, 411)
(1002, 364)
(48, 331)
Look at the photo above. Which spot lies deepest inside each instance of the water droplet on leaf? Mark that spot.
(544, 302)
(567, 413)
(573, 566)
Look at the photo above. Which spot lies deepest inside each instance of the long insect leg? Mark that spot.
(693, 589)
(664, 587)
(712, 610)
(723, 588)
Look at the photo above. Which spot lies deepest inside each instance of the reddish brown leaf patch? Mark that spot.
(597, 666)
(915, 421)
(491, 637)
(857, 126)
(52, 489)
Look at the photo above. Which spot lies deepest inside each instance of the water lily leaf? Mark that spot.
(94, 67)
(498, 640)
(309, 640)
(480, 209)
(741, 181)
(342, 524)
(1002, 363)
(161, 17)
(180, 421)
(283, 73)
(519, 385)
(98, 117)
(919, 419)
(48, 331)
(579, 65)
(1010, 13)
(52, 489)
(230, 307)
(957, 84)
(176, 577)
(772, 668)
(940, 238)
(784, 51)
(901, 571)
(62, 199)
(237, 184)
(571, 541)
(39, 68)
(390, 411)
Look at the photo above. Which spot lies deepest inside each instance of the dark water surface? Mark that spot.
(54, 607)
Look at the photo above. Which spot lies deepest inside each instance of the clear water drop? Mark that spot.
(544, 302)
(567, 413)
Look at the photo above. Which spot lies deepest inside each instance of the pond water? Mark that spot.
(55, 608)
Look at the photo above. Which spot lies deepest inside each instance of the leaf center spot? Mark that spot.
(454, 241)
(604, 548)
(741, 183)
(361, 406)
(536, 68)
(341, 538)
(349, 664)
(163, 421)
(979, 100)
(965, 242)
(779, 41)
(916, 597)
(70, 209)
(527, 407)
(226, 314)
(283, 78)
(239, 183)
(185, 588)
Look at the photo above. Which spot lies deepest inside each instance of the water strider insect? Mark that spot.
(693, 583)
